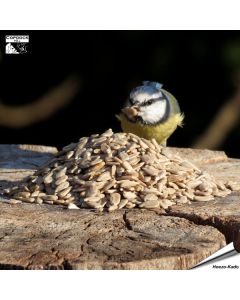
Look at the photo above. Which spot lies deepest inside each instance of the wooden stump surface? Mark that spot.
(49, 237)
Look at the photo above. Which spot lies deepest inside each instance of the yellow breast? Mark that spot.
(160, 132)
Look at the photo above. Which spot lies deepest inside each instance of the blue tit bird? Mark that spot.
(151, 112)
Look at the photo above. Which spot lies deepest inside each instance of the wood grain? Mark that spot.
(49, 237)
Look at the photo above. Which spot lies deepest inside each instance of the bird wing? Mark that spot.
(175, 109)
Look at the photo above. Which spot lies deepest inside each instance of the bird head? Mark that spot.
(147, 104)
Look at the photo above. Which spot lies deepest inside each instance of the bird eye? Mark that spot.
(149, 102)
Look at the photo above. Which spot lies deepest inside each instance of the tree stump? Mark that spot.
(36, 236)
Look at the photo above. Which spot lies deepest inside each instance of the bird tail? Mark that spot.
(180, 118)
(118, 117)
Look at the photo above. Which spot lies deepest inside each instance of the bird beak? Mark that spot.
(131, 111)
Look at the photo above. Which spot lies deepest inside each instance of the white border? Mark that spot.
(110, 14)
(116, 285)
(120, 14)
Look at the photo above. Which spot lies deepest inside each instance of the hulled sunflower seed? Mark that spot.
(39, 200)
(60, 173)
(129, 195)
(62, 186)
(112, 207)
(127, 166)
(48, 201)
(130, 205)
(35, 194)
(165, 203)
(61, 180)
(107, 133)
(27, 200)
(23, 194)
(150, 170)
(93, 199)
(50, 197)
(14, 201)
(150, 204)
(64, 193)
(115, 198)
(203, 198)
(104, 176)
(122, 203)
(72, 206)
(97, 171)
(69, 154)
(150, 197)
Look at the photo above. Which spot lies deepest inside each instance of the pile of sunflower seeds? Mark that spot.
(113, 171)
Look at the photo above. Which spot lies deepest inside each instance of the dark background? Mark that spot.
(198, 67)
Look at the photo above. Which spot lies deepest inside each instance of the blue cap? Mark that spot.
(153, 84)
(150, 88)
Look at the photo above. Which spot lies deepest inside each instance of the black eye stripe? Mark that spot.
(148, 102)
(131, 101)
(151, 101)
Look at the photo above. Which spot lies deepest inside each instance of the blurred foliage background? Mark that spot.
(72, 83)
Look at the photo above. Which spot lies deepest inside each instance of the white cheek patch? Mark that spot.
(144, 96)
(153, 113)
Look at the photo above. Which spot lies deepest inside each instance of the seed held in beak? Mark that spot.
(131, 111)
